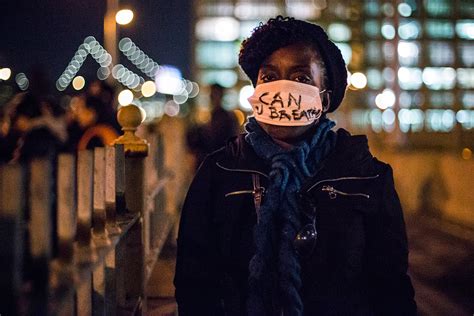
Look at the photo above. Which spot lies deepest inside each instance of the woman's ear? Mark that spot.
(326, 100)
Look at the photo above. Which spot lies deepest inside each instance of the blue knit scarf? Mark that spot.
(274, 270)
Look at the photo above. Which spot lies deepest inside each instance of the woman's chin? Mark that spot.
(286, 134)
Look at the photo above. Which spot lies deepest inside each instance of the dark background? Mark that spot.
(47, 33)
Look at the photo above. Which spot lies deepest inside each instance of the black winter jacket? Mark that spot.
(359, 264)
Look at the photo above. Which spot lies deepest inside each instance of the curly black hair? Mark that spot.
(282, 31)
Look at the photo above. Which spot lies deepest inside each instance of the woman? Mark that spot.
(293, 218)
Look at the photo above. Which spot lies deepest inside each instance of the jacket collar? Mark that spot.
(239, 155)
(349, 156)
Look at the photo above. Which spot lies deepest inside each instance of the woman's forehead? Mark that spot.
(296, 54)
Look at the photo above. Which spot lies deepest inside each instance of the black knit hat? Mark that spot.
(281, 32)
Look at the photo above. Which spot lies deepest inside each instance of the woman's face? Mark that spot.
(297, 62)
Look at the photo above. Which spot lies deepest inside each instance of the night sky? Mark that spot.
(47, 33)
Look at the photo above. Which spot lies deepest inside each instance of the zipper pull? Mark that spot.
(330, 190)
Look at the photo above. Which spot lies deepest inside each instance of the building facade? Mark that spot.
(411, 62)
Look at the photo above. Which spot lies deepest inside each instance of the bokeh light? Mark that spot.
(124, 16)
(386, 99)
(168, 80)
(78, 83)
(5, 73)
(404, 9)
(22, 81)
(245, 93)
(466, 153)
(388, 31)
(171, 108)
(148, 89)
(358, 80)
(125, 97)
(240, 116)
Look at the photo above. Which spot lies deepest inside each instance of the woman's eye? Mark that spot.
(303, 79)
(267, 78)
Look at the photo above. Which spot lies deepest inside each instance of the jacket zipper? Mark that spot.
(334, 192)
(339, 179)
(240, 192)
(242, 170)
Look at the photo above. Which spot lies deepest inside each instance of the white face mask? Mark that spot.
(286, 103)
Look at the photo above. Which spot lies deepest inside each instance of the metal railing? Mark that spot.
(80, 236)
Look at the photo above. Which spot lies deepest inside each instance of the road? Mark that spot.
(441, 266)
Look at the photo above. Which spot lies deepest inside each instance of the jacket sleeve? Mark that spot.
(391, 288)
(197, 269)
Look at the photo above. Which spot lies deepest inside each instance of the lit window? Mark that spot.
(442, 99)
(218, 29)
(468, 99)
(439, 29)
(411, 119)
(439, 78)
(388, 10)
(440, 120)
(372, 28)
(465, 118)
(339, 32)
(388, 31)
(409, 99)
(465, 29)
(404, 9)
(466, 8)
(404, 119)
(465, 52)
(438, 7)
(466, 77)
(302, 9)
(385, 99)
(251, 10)
(372, 8)
(374, 78)
(216, 54)
(226, 78)
(373, 53)
(375, 117)
(388, 75)
(388, 120)
(441, 54)
(346, 51)
(360, 119)
(388, 51)
(408, 53)
(246, 28)
(409, 29)
(221, 8)
(410, 78)
(405, 99)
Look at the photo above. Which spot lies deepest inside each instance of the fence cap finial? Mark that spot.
(130, 117)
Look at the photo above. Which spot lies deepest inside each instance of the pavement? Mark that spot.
(441, 266)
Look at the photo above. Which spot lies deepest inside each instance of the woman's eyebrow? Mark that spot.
(300, 67)
(268, 67)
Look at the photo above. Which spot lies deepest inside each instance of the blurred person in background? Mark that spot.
(223, 124)
(93, 123)
(103, 91)
(292, 217)
(33, 127)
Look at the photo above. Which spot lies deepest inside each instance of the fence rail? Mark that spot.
(80, 235)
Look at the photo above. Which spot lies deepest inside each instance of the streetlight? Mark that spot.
(112, 17)
(124, 16)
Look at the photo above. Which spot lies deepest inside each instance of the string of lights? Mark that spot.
(138, 58)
